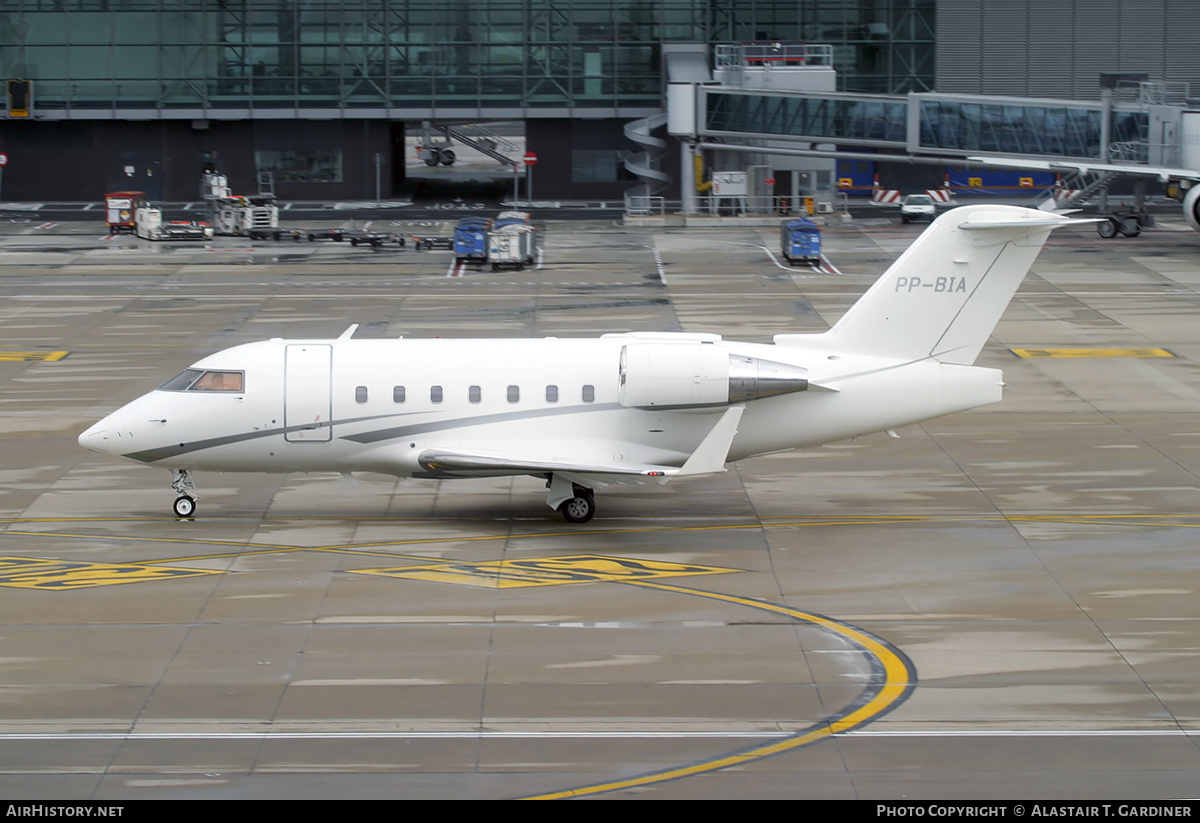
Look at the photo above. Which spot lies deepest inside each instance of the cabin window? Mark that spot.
(397, 394)
(473, 394)
(360, 394)
(435, 394)
(514, 394)
(197, 380)
(552, 394)
(589, 394)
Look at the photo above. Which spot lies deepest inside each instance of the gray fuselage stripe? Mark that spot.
(379, 435)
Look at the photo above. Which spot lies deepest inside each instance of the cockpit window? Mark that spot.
(197, 380)
(181, 381)
(218, 381)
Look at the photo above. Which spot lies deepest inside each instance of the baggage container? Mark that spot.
(511, 245)
(470, 239)
(800, 240)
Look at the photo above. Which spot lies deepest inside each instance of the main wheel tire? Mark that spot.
(184, 506)
(433, 157)
(579, 509)
(1130, 226)
(1107, 228)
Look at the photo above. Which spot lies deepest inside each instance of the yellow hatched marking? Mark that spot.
(17, 356)
(548, 571)
(1090, 352)
(60, 575)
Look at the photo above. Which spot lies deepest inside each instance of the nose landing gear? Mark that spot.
(184, 505)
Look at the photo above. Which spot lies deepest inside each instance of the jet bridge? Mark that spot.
(751, 106)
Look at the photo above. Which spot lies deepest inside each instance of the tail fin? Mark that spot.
(945, 294)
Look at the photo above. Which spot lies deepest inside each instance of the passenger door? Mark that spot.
(308, 395)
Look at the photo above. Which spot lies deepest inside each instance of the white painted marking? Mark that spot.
(828, 267)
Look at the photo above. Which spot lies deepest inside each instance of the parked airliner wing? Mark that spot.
(1163, 173)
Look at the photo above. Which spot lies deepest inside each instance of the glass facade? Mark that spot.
(409, 54)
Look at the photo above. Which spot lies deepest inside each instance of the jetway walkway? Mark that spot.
(1089, 144)
(926, 124)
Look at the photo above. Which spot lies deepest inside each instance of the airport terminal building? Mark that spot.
(148, 94)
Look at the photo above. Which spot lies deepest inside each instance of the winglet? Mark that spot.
(709, 457)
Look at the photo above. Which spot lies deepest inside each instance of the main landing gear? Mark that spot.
(575, 503)
(581, 508)
(1126, 222)
(185, 504)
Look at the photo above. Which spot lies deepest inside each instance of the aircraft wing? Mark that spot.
(1163, 173)
(472, 464)
(709, 457)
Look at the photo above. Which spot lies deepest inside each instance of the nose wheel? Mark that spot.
(184, 506)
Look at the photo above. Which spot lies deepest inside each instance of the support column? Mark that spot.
(687, 177)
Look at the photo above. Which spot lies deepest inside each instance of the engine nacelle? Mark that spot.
(657, 375)
(674, 374)
(1191, 207)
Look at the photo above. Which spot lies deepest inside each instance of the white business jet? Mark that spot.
(585, 413)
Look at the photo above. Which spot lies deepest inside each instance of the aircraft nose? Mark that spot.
(106, 437)
(93, 438)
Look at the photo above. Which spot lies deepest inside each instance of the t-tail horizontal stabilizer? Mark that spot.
(943, 297)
